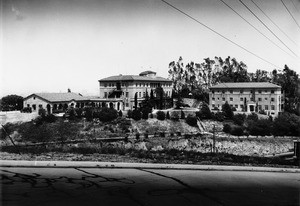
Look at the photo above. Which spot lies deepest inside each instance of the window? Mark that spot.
(140, 94)
(241, 91)
(259, 91)
(266, 107)
(213, 99)
(105, 94)
(213, 106)
(236, 106)
(136, 84)
(242, 106)
(127, 104)
(241, 99)
(266, 98)
(33, 97)
(231, 105)
(218, 98)
(272, 99)
(144, 94)
(266, 91)
(272, 107)
(140, 84)
(272, 91)
(28, 105)
(223, 91)
(34, 107)
(223, 99)
(231, 91)
(213, 91)
(259, 99)
(259, 107)
(251, 99)
(126, 94)
(105, 85)
(231, 99)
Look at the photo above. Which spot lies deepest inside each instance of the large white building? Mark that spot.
(121, 89)
(247, 97)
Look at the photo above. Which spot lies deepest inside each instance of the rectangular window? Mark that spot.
(140, 94)
(272, 99)
(252, 99)
(266, 107)
(218, 98)
(127, 104)
(223, 99)
(223, 91)
(259, 99)
(231, 99)
(105, 85)
(242, 106)
(241, 99)
(241, 91)
(231, 105)
(266, 98)
(272, 91)
(213, 106)
(213, 99)
(126, 94)
(34, 107)
(259, 91)
(259, 107)
(272, 107)
(266, 91)
(231, 91)
(28, 105)
(105, 94)
(213, 91)
(144, 94)
(236, 106)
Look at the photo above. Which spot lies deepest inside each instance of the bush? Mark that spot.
(237, 131)
(226, 109)
(107, 114)
(191, 120)
(219, 116)
(88, 113)
(151, 115)
(286, 124)
(239, 119)
(129, 114)
(260, 127)
(42, 112)
(174, 116)
(161, 115)
(145, 113)
(182, 115)
(252, 117)
(50, 118)
(168, 115)
(120, 113)
(136, 114)
(227, 128)
(205, 112)
(78, 112)
(262, 112)
(137, 136)
(26, 110)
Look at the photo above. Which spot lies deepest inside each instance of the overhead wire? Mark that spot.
(290, 13)
(267, 27)
(204, 25)
(254, 27)
(274, 23)
(294, 5)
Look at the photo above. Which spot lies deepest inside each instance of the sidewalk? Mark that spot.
(120, 165)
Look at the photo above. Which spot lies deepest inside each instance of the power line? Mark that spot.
(189, 16)
(294, 5)
(267, 27)
(290, 13)
(274, 23)
(255, 27)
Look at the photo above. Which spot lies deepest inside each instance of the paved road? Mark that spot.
(96, 186)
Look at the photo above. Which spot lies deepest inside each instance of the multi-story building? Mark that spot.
(120, 90)
(247, 97)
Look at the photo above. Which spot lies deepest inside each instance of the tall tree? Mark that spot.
(135, 101)
(11, 102)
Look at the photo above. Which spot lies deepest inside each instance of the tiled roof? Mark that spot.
(236, 85)
(134, 78)
(59, 97)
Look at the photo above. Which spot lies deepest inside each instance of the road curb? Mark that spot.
(123, 165)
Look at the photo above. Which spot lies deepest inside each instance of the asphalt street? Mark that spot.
(107, 186)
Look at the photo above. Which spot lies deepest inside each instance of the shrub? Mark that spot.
(286, 124)
(161, 115)
(191, 120)
(88, 113)
(260, 127)
(137, 136)
(151, 115)
(227, 128)
(237, 131)
(129, 114)
(228, 113)
(174, 116)
(162, 134)
(168, 115)
(262, 112)
(78, 112)
(239, 119)
(107, 114)
(219, 116)
(252, 116)
(120, 113)
(50, 118)
(145, 113)
(233, 109)
(136, 114)
(26, 110)
(42, 112)
(205, 112)
(182, 115)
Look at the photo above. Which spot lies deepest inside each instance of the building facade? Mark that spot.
(120, 90)
(54, 102)
(247, 97)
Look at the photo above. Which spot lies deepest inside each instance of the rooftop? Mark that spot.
(134, 78)
(244, 85)
(59, 97)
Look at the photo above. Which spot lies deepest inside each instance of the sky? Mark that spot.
(53, 45)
